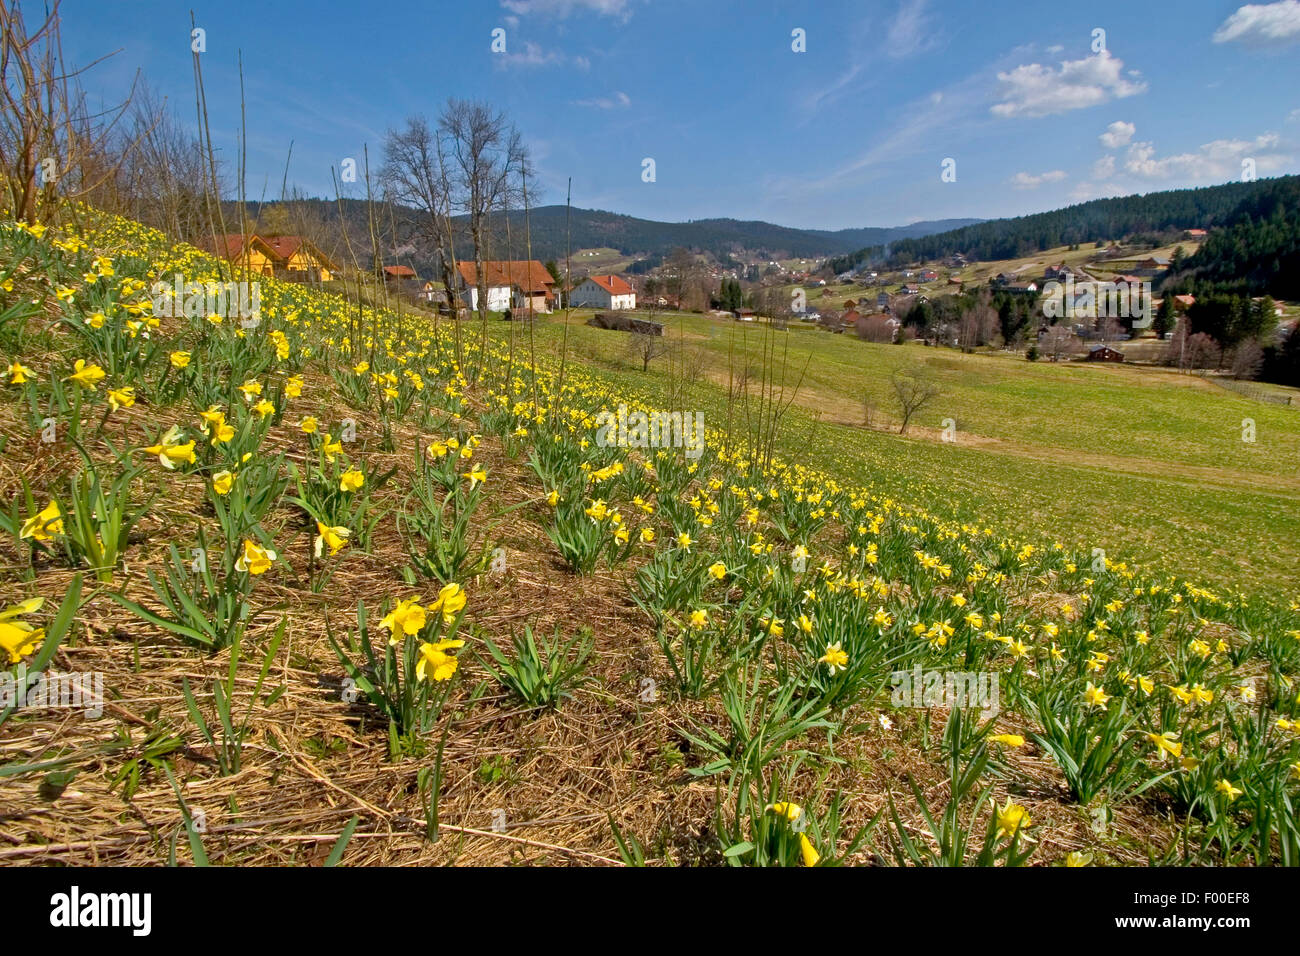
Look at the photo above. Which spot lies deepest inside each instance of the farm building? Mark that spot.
(300, 260)
(399, 274)
(511, 284)
(604, 292)
(251, 252)
(1104, 353)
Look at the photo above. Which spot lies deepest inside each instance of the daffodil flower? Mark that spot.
(335, 537)
(87, 376)
(255, 559)
(434, 657)
(18, 638)
(44, 524)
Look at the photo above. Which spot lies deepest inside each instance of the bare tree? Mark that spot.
(1203, 351)
(876, 328)
(645, 347)
(487, 160)
(415, 174)
(913, 389)
(1247, 360)
(162, 179)
(1056, 342)
(51, 145)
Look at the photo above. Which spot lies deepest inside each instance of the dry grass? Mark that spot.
(314, 760)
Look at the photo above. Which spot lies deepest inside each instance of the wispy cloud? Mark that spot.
(533, 55)
(1031, 181)
(1035, 90)
(911, 31)
(561, 9)
(1262, 24)
(618, 101)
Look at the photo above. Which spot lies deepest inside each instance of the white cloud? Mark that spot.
(1262, 24)
(1055, 49)
(1219, 160)
(564, 8)
(1030, 181)
(911, 30)
(532, 55)
(1293, 116)
(1117, 134)
(618, 101)
(1037, 90)
(1103, 168)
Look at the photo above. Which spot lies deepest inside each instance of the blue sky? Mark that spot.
(851, 132)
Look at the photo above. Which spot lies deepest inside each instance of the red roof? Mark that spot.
(231, 245)
(286, 247)
(612, 284)
(530, 275)
(399, 272)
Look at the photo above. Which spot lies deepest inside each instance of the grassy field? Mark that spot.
(361, 587)
(1145, 463)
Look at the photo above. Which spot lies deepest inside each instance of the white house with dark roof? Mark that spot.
(604, 292)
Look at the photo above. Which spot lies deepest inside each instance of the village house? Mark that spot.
(927, 275)
(604, 292)
(399, 274)
(247, 252)
(1149, 267)
(516, 284)
(434, 293)
(1194, 234)
(299, 260)
(1104, 353)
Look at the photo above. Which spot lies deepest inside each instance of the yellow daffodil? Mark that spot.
(406, 619)
(809, 853)
(255, 559)
(335, 537)
(435, 661)
(835, 658)
(1011, 819)
(123, 397)
(18, 638)
(44, 524)
(87, 376)
(450, 600)
(351, 480)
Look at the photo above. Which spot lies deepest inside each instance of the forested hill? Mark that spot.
(553, 230)
(1256, 253)
(591, 228)
(1098, 219)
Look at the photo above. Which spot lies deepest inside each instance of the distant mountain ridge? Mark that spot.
(1096, 220)
(553, 230)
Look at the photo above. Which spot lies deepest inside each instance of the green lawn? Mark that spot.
(1147, 464)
